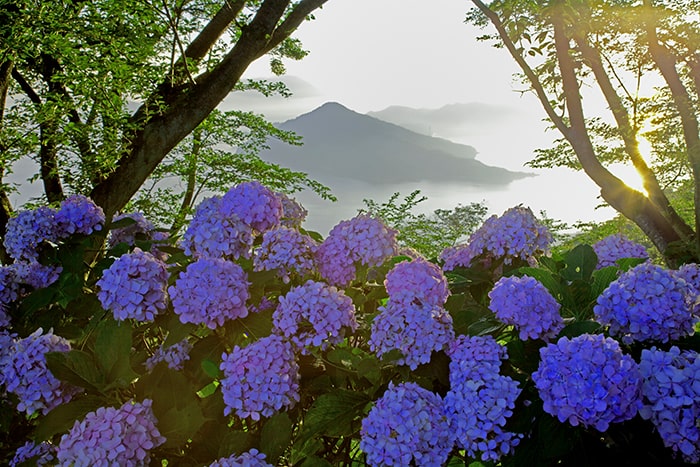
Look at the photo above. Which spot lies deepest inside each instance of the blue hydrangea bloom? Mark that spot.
(293, 213)
(79, 214)
(109, 436)
(210, 291)
(480, 399)
(36, 274)
(5, 323)
(212, 234)
(361, 240)
(647, 303)
(252, 458)
(129, 234)
(418, 280)
(314, 315)
(588, 381)
(286, 250)
(254, 204)
(39, 454)
(525, 303)
(175, 356)
(27, 230)
(134, 286)
(9, 285)
(515, 234)
(614, 247)
(25, 374)
(671, 396)
(260, 379)
(406, 426)
(415, 330)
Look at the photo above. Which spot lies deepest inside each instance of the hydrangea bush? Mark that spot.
(252, 341)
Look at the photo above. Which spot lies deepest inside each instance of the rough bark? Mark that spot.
(187, 107)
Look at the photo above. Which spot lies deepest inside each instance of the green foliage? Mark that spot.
(427, 234)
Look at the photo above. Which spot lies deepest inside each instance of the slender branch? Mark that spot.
(6, 68)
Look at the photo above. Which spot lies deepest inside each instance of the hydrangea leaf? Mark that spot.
(178, 425)
(235, 442)
(75, 367)
(275, 436)
(61, 418)
(333, 414)
(580, 263)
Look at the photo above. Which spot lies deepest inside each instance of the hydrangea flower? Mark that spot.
(210, 291)
(129, 234)
(515, 234)
(175, 356)
(254, 204)
(25, 374)
(109, 436)
(4, 324)
(212, 234)
(406, 426)
(314, 315)
(79, 214)
(671, 397)
(525, 303)
(9, 285)
(647, 303)
(418, 280)
(293, 213)
(415, 330)
(39, 454)
(480, 400)
(260, 379)
(614, 247)
(286, 250)
(134, 286)
(690, 273)
(361, 240)
(588, 381)
(252, 458)
(36, 274)
(27, 230)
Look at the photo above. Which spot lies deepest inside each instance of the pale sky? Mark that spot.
(372, 54)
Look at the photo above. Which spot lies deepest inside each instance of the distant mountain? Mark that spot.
(339, 142)
(451, 119)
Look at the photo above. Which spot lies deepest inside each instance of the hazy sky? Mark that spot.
(372, 54)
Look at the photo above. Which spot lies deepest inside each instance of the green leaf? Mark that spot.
(579, 263)
(333, 414)
(211, 368)
(369, 367)
(112, 343)
(546, 278)
(178, 425)
(235, 442)
(602, 279)
(62, 418)
(276, 436)
(75, 367)
(313, 461)
(579, 327)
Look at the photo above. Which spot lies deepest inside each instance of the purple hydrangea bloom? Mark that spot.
(406, 426)
(588, 381)
(314, 315)
(39, 454)
(79, 214)
(480, 399)
(417, 281)
(260, 379)
(9, 285)
(647, 303)
(210, 291)
(27, 230)
(361, 240)
(128, 234)
(252, 458)
(525, 303)
(671, 396)
(515, 234)
(134, 286)
(254, 204)
(691, 274)
(415, 330)
(212, 234)
(614, 247)
(36, 274)
(286, 250)
(293, 213)
(175, 356)
(25, 374)
(110, 436)
(5, 323)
